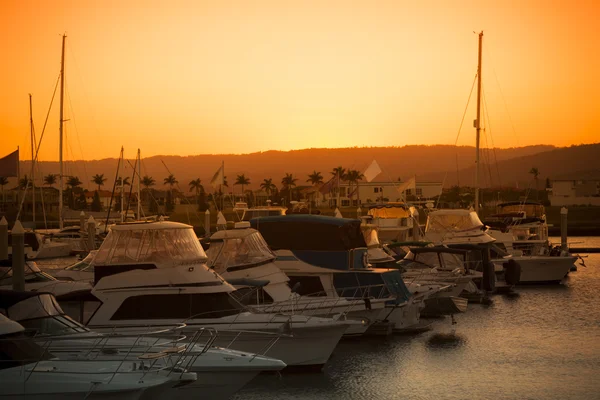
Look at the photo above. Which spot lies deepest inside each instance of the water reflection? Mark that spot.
(445, 341)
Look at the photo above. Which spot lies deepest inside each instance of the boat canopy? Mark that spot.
(236, 248)
(444, 221)
(310, 232)
(162, 243)
(390, 210)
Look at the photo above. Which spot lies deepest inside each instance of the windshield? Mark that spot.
(32, 275)
(442, 223)
(230, 252)
(160, 246)
(56, 325)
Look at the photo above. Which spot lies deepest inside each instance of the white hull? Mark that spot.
(404, 316)
(544, 269)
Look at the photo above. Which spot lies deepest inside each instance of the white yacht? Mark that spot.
(217, 373)
(520, 229)
(155, 274)
(28, 371)
(394, 220)
(327, 256)
(241, 256)
(39, 247)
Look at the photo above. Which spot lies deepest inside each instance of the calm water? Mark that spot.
(541, 343)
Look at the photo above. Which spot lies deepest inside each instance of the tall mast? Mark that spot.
(60, 149)
(32, 157)
(122, 186)
(139, 195)
(478, 124)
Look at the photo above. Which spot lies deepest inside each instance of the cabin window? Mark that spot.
(307, 285)
(177, 306)
(376, 190)
(419, 191)
(408, 192)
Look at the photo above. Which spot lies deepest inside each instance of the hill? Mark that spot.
(426, 162)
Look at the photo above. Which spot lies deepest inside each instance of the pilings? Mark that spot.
(18, 256)
(207, 223)
(563, 229)
(91, 233)
(416, 229)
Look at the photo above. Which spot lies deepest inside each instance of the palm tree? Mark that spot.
(268, 186)
(50, 180)
(535, 172)
(288, 183)
(353, 176)
(74, 181)
(196, 186)
(242, 180)
(125, 182)
(171, 181)
(23, 182)
(99, 180)
(340, 172)
(148, 181)
(315, 178)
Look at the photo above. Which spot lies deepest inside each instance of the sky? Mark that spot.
(222, 77)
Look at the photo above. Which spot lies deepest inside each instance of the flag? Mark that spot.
(328, 187)
(372, 171)
(219, 177)
(409, 184)
(9, 165)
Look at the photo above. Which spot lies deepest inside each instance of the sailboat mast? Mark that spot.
(60, 149)
(122, 185)
(478, 124)
(32, 157)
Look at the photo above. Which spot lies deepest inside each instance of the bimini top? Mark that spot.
(237, 248)
(162, 243)
(155, 225)
(310, 232)
(390, 210)
(444, 221)
(520, 203)
(527, 208)
(27, 305)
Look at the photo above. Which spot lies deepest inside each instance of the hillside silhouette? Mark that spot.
(451, 164)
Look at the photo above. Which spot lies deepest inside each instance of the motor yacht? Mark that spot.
(155, 274)
(242, 256)
(394, 221)
(218, 373)
(28, 371)
(327, 256)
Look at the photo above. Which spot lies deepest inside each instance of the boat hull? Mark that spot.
(544, 269)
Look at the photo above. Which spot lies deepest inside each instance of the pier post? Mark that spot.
(3, 239)
(91, 233)
(221, 221)
(337, 213)
(359, 212)
(563, 229)
(82, 229)
(207, 223)
(18, 256)
(416, 230)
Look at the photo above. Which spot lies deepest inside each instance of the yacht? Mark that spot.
(520, 230)
(241, 256)
(28, 371)
(217, 373)
(155, 274)
(39, 247)
(394, 220)
(327, 256)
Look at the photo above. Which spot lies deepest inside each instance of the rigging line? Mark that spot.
(502, 94)
(491, 137)
(46, 121)
(462, 121)
(77, 133)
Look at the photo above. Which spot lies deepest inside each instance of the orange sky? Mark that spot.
(193, 77)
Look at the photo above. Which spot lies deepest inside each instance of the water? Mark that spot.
(541, 343)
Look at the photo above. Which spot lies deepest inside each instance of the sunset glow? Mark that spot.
(194, 77)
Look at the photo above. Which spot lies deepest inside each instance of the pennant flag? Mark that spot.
(218, 178)
(328, 187)
(409, 184)
(372, 171)
(9, 165)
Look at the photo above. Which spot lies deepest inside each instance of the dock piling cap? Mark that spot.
(3, 221)
(564, 211)
(81, 214)
(91, 220)
(18, 228)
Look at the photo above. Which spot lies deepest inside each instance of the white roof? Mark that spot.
(154, 225)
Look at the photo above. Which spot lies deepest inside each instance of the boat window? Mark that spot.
(475, 260)
(452, 261)
(80, 311)
(159, 246)
(17, 350)
(360, 285)
(177, 306)
(307, 285)
(239, 251)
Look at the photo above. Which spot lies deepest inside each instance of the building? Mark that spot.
(381, 192)
(569, 192)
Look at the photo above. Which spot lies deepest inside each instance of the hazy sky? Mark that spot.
(193, 77)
